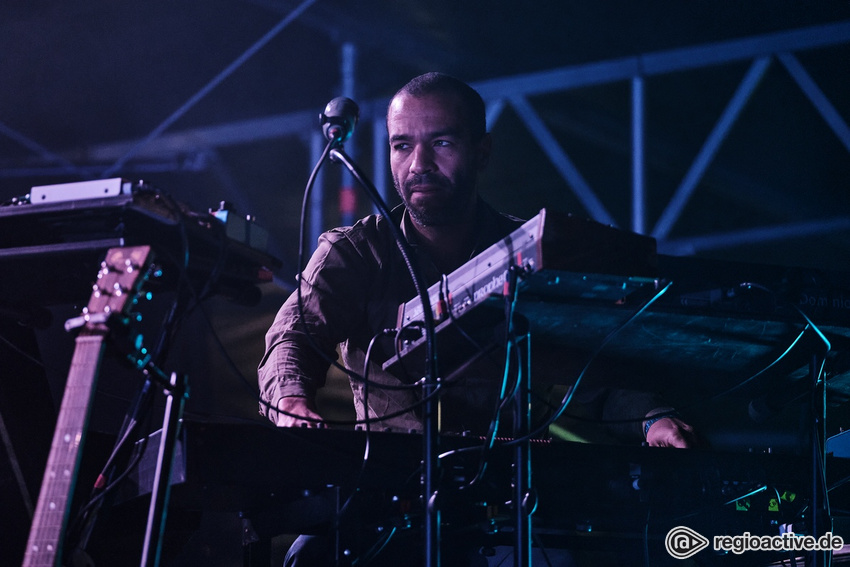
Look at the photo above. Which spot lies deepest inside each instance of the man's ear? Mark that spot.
(484, 148)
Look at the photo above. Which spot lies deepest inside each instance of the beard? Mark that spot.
(448, 206)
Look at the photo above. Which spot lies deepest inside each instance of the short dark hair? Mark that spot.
(433, 83)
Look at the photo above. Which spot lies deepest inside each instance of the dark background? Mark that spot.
(84, 83)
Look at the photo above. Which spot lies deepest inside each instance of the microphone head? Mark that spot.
(339, 118)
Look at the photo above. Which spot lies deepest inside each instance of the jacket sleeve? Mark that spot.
(301, 343)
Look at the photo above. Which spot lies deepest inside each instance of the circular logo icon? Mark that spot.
(683, 542)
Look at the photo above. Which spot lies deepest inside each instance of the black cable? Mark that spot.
(375, 550)
(300, 302)
(336, 422)
(542, 549)
(86, 515)
(397, 346)
(739, 385)
(510, 341)
(368, 441)
(444, 282)
(302, 230)
(406, 256)
(81, 527)
(715, 398)
(569, 395)
(177, 312)
(238, 373)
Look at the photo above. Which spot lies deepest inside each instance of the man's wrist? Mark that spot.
(655, 416)
(285, 401)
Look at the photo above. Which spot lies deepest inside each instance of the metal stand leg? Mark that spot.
(256, 550)
(820, 514)
(430, 477)
(522, 458)
(155, 529)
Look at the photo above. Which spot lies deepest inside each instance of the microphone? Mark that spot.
(339, 118)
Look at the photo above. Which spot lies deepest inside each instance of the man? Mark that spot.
(356, 279)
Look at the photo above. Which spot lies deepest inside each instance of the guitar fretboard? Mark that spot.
(57, 486)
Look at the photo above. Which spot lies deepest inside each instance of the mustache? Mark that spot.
(426, 179)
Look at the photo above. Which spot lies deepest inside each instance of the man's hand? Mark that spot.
(301, 407)
(671, 432)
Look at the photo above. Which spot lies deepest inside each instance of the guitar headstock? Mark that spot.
(119, 280)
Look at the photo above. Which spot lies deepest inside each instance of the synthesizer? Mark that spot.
(715, 322)
(554, 251)
(64, 230)
(581, 488)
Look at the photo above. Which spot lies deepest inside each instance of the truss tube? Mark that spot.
(817, 98)
(66, 166)
(689, 246)
(638, 175)
(709, 149)
(317, 197)
(227, 134)
(348, 212)
(560, 79)
(93, 171)
(206, 89)
(380, 158)
(662, 62)
(561, 160)
(494, 111)
(743, 49)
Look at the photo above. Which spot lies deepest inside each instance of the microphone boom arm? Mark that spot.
(430, 423)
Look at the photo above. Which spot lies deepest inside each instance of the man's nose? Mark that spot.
(423, 160)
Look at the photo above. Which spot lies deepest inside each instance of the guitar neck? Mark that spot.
(44, 546)
(118, 281)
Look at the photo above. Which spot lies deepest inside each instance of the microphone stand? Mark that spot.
(430, 422)
(820, 520)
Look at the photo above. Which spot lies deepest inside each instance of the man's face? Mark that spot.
(433, 158)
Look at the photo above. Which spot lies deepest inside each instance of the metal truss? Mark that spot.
(761, 50)
(515, 91)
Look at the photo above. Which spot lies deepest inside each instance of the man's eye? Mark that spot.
(401, 146)
(442, 143)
